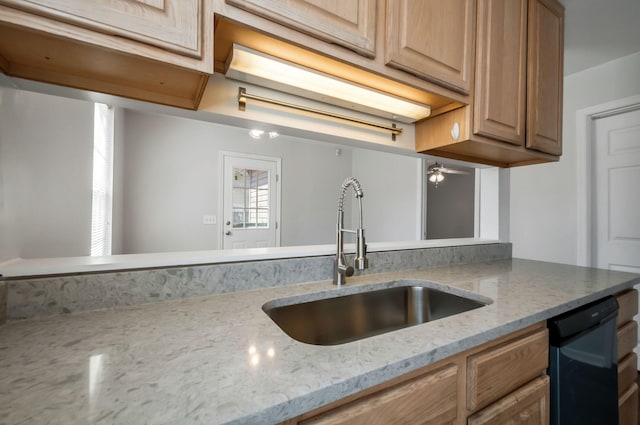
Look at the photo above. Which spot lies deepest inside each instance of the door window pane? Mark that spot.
(250, 198)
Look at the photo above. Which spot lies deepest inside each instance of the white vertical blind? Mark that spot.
(101, 205)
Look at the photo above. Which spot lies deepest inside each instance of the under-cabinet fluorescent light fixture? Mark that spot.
(245, 64)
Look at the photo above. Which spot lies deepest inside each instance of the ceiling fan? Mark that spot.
(437, 171)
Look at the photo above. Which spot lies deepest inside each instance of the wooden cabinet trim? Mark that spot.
(498, 371)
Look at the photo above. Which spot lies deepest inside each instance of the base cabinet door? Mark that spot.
(627, 359)
(528, 405)
(428, 399)
(628, 406)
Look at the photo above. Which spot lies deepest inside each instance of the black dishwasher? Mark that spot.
(583, 365)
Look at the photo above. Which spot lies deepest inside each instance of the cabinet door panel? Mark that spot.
(627, 338)
(501, 77)
(527, 406)
(429, 399)
(432, 39)
(349, 23)
(545, 61)
(628, 406)
(628, 302)
(173, 25)
(497, 371)
(627, 373)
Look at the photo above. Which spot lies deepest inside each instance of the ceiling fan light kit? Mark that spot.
(436, 172)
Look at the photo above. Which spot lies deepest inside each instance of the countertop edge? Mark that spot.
(346, 388)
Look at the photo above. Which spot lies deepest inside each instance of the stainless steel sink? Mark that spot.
(332, 321)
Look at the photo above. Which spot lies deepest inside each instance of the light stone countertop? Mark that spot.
(220, 359)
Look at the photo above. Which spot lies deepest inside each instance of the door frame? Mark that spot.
(585, 139)
(278, 183)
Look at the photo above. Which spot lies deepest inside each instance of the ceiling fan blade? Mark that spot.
(451, 171)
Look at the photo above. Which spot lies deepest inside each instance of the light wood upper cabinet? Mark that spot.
(350, 24)
(432, 39)
(173, 25)
(159, 51)
(515, 117)
(501, 70)
(546, 34)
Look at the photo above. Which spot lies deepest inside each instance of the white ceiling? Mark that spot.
(598, 31)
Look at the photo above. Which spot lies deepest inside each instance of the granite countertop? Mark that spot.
(221, 360)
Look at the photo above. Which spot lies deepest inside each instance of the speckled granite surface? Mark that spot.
(45, 296)
(3, 303)
(220, 359)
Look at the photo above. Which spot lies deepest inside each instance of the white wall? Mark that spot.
(46, 146)
(543, 197)
(392, 200)
(171, 179)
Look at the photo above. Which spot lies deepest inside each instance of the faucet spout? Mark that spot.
(341, 268)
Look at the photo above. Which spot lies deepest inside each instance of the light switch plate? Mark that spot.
(209, 219)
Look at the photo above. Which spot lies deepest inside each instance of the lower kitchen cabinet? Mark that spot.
(500, 382)
(430, 398)
(627, 359)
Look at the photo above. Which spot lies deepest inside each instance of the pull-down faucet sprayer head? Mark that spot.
(342, 270)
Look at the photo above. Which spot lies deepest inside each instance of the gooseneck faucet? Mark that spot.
(341, 269)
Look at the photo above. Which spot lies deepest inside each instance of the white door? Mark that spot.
(250, 201)
(617, 195)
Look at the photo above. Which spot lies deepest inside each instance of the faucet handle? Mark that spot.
(348, 271)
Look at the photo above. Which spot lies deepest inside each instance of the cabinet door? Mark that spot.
(349, 23)
(432, 39)
(173, 25)
(628, 406)
(527, 406)
(544, 92)
(429, 399)
(497, 371)
(501, 72)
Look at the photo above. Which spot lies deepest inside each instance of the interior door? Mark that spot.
(617, 197)
(250, 201)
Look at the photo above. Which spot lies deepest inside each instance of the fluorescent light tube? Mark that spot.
(254, 67)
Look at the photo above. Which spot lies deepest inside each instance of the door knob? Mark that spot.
(228, 233)
(228, 223)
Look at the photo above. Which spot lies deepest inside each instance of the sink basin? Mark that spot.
(332, 321)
